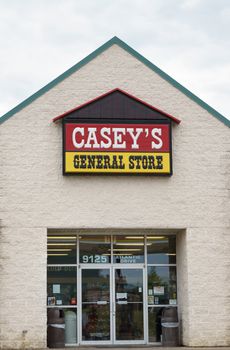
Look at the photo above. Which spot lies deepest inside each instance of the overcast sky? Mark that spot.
(188, 39)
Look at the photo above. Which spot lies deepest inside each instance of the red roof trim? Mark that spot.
(123, 92)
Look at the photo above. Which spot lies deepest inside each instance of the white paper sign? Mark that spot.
(172, 301)
(121, 295)
(159, 290)
(150, 299)
(56, 289)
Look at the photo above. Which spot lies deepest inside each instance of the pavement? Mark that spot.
(136, 347)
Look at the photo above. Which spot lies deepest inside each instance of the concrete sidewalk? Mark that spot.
(140, 348)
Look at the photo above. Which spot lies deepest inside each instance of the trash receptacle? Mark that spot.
(170, 327)
(70, 327)
(56, 329)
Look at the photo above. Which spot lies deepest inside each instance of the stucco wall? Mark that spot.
(35, 196)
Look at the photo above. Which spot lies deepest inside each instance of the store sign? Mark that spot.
(117, 148)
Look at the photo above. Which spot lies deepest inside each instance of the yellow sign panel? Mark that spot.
(113, 162)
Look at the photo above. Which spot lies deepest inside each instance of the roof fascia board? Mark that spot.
(122, 44)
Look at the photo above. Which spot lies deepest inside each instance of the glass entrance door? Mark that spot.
(112, 305)
(97, 281)
(129, 319)
(96, 305)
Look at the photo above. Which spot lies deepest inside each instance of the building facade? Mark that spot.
(112, 250)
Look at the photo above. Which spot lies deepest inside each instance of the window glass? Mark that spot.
(95, 285)
(95, 322)
(128, 249)
(161, 249)
(61, 285)
(95, 249)
(129, 285)
(129, 322)
(162, 285)
(155, 329)
(96, 304)
(61, 249)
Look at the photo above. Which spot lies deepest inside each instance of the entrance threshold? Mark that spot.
(136, 346)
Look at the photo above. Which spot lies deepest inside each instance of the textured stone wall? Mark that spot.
(182, 286)
(35, 196)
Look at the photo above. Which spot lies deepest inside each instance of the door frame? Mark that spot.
(130, 267)
(93, 267)
(111, 268)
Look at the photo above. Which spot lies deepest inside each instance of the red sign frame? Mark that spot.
(117, 148)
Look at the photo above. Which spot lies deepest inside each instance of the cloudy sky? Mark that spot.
(188, 39)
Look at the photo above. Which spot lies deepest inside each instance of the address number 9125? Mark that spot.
(89, 259)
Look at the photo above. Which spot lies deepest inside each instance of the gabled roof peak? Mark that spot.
(169, 116)
(122, 44)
